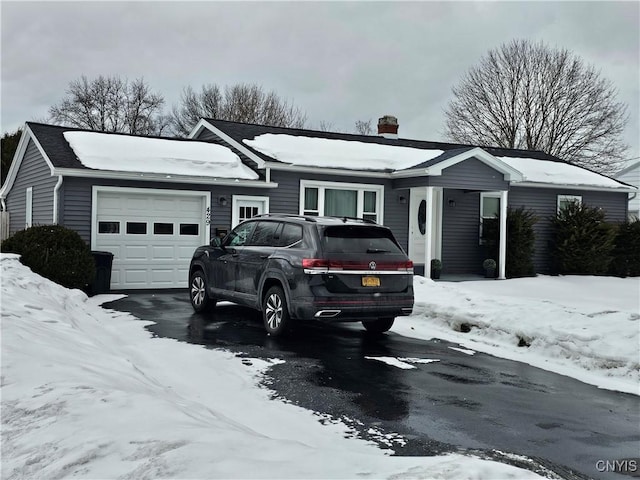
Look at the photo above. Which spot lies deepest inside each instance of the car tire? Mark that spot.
(200, 299)
(275, 313)
(380, 325)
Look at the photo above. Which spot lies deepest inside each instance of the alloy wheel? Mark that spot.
(274, 311)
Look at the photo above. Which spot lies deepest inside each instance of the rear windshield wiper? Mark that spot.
(377, 250)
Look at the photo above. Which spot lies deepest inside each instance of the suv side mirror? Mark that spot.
(216, 242)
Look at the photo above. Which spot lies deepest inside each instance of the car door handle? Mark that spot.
(264, 256)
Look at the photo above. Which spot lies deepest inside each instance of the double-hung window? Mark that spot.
(489, 209)
(334, 199)
(565, 200)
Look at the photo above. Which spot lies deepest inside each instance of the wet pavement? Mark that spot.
(459, 403)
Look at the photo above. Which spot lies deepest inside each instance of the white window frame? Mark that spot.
(28, 208)
(359, 188)
(568, 198)
(235, 199)
(484, 195)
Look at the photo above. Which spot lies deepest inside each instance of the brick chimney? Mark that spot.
(388, 126)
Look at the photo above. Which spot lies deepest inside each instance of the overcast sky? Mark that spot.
(338, 62)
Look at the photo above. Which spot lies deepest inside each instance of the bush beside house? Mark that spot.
(626, 253)
(520, 241)
(583, 242)
(55, 252)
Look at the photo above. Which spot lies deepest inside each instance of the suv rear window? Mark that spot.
(351, 239)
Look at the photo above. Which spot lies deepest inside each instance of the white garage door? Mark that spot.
(152, 234)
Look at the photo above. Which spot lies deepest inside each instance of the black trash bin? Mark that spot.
(102, 281)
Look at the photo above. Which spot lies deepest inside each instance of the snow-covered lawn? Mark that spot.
(586, 327)
(88, 393)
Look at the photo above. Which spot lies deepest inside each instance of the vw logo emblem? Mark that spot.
(372, 265)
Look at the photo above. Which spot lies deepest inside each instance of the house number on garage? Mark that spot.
(207, 216)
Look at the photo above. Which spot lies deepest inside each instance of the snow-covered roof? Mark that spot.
(102, 151)
(305, 151)
(559, 173)
(331, 153)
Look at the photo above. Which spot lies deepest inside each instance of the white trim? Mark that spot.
(235, 218)
(429, 233)
(28, 208)
(56, 200)
(359, 188)
(286, 167)
(569, 186)
(223, 136)
(509, 173)
(18, 156)
(567, 198)
(156, 177)
(502, 246)
(152, 191)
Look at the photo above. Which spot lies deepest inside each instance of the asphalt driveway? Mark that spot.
(457, 402)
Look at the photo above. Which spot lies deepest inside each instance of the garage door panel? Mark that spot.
(135, 252)
(151, 260)
(163, 253)
(184, 252)
(135, 277)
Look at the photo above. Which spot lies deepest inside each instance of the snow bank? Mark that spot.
(103, 151)
(587, 328)
(88, 393)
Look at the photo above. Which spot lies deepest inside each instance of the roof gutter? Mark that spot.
(160, 177)
(567, 186)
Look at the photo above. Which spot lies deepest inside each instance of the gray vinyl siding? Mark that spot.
(34, 172)
(543, 201)
(471, 174)
(286, 198)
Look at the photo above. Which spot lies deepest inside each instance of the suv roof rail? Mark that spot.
(355, 219)
(285, 215)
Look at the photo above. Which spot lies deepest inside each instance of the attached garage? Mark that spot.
(151, 232)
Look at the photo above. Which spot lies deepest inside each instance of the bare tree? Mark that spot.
(525, 95)
(325, 126)
(111, 104)
(243, 102)
(364, 127)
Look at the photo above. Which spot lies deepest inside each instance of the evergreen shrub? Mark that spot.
(626, 253)
(582, 241)
(55, 252)
(520, 241)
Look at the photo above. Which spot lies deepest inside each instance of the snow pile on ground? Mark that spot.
(88, 393)
(587, 327)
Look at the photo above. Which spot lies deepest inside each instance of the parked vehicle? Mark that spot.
(299, 268)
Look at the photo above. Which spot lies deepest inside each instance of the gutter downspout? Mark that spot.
(56, 196)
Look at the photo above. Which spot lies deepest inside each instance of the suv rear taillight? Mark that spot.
(316, 264)
(323, 265)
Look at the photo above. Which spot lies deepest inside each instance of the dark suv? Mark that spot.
(294, 267)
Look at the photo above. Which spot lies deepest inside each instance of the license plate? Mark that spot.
(370, 281)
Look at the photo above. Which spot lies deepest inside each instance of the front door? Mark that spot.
(246, 207)
(418, 224)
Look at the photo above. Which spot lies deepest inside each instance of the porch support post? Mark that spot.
(503, 236)
(428, 241)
